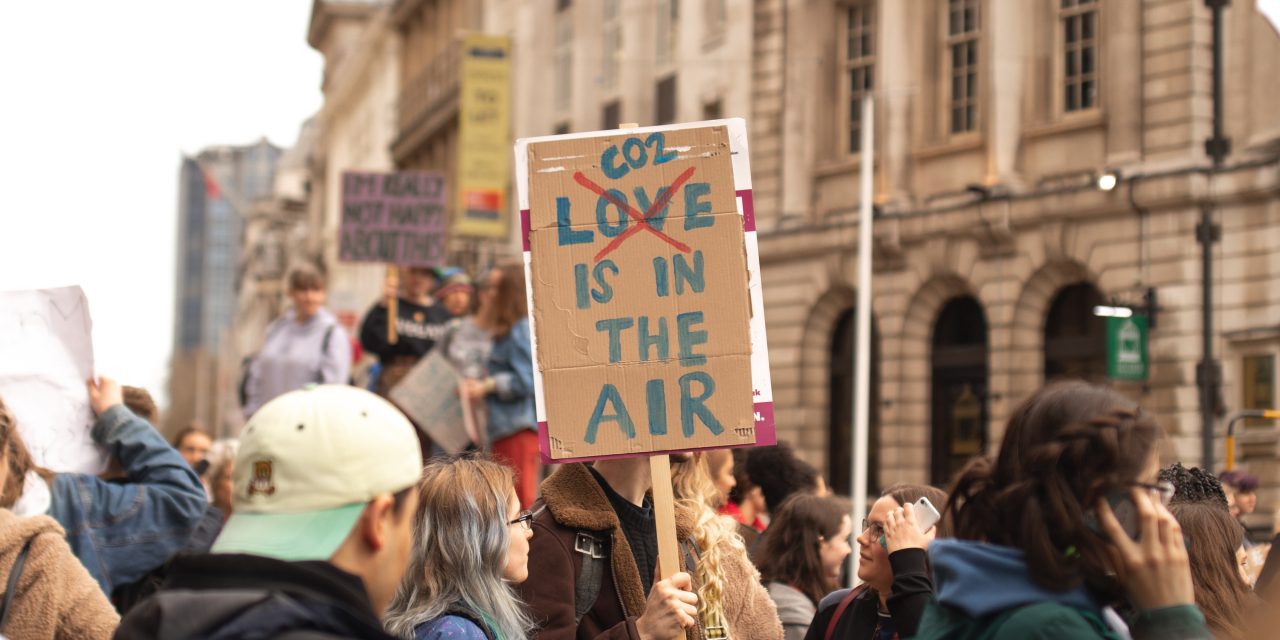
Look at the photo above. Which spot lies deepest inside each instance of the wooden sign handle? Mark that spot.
(664, 514)
(393, 279)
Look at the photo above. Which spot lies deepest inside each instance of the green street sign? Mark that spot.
(1127, 348)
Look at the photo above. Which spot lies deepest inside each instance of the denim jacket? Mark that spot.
(121, 531)
(511, 367)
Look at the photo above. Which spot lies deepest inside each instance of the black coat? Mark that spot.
(219, 596)
(911, 593)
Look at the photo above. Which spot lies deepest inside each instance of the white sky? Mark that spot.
(100, 100)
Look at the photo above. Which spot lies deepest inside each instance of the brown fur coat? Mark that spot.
(55, 596)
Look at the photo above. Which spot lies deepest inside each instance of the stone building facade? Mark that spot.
(995, 121)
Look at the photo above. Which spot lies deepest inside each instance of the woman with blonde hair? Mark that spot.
(470, 546)
(732, 602)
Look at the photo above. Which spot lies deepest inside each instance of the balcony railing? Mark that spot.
(432, 91)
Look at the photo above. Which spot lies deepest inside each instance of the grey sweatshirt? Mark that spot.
(293, 355)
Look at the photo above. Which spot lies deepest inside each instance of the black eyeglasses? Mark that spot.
(525, 520)
(876, 528)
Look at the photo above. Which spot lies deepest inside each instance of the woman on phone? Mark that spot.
(1040, 551)
(893, 567)
(801, 554)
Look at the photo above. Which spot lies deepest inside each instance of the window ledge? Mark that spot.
(1068, 123)
(971, 141)
(835, 166)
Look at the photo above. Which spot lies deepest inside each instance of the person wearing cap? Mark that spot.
(324, 501)
(306, 345)
(456, 292)
(420, 322)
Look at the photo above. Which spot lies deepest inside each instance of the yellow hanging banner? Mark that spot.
(484, 139)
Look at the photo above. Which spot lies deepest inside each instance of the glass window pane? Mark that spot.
(1070, 59)
(1070, 102)
(971, 118)
(973, 53)
(957, 56)
(1086, 60)
(870, 79)
(971, 89)
(866, 44)
(1086, 27)
(1087, 93)
(957, 120)
(1071, 29)
(953, 23)
(970, 18)
(957, 87)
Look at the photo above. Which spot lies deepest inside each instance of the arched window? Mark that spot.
(1075, 340)
(959, 390)
(840, 426)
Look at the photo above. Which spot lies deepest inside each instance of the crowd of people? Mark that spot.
(332, 515)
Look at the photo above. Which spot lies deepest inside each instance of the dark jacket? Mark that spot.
(225, 596)
(985, 591)
(120, 531)
(417, 330)
(911, 593)
(575, 502)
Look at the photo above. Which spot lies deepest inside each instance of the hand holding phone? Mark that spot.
(1153, 568)
(908, 527)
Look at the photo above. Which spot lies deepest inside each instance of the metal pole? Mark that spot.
(862, 352)
(1208, 374)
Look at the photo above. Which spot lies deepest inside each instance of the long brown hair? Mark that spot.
(507, 303)
(788, 552)
(18, 460)
(1065, 447)
(1221, 592)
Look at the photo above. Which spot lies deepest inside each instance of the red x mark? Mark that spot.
(642, 222)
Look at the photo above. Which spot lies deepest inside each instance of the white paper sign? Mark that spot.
(46, 355)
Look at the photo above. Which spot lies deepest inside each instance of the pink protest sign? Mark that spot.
(397, 218)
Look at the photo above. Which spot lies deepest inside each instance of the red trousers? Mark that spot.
(520, 452)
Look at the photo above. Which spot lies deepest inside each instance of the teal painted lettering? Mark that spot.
(602, 215)
(683, 273)
(658, 218)
(580, 286)
(655, 395)
(660, 277)
(609, 395)
(694, 208)
(691, 406)
(689, 338)
(660, 154)
(609, 163)
(637, 159)
(647, 340)
(564, 228)
(615, 327)
(605, 291)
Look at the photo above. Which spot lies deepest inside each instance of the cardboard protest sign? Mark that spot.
(428, 394)
(46, 355)
(397, 218)
(644, 286)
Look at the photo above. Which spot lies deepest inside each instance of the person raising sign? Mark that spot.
(420, 321)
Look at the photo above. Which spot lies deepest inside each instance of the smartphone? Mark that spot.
(926, 514)
(926, 517)
(1125, 511)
